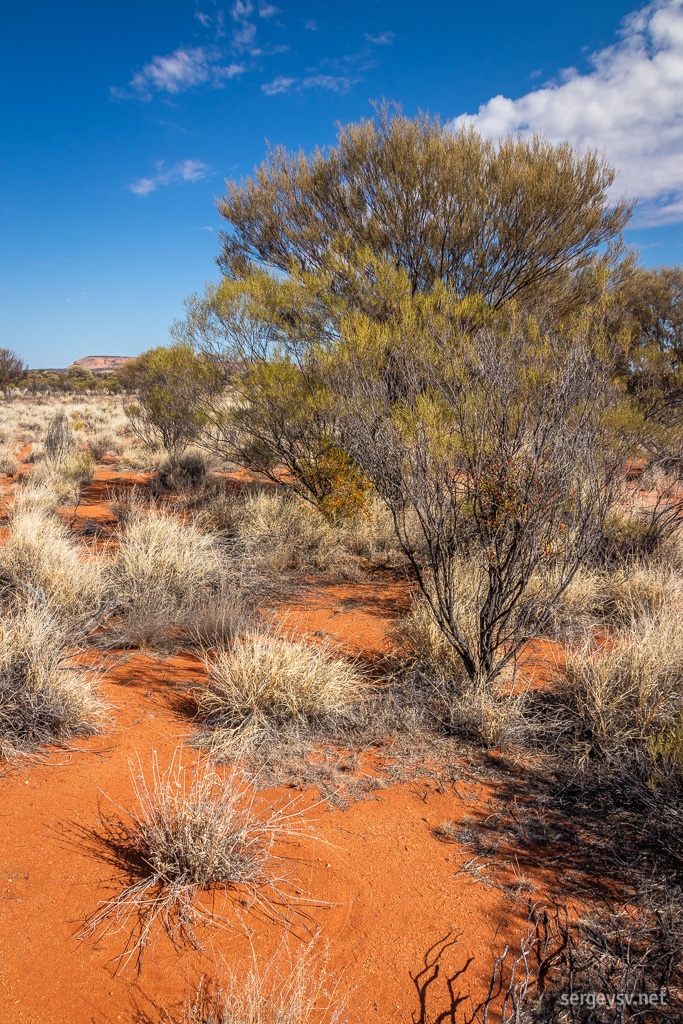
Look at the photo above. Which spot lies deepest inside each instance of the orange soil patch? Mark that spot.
(355, 616)
(376, 882)
(386, 889)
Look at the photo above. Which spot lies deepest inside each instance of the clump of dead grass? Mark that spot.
(193, 834)
(266, 682)
(619, 691)
(44, 697)
(55, 483)
(39, 555)
(101, 443)
(290, 533)
(8, 463)
(172, 583)
(291, 990)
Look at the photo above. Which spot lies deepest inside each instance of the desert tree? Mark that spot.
(12, 369)
(170, 385)
(519, 218)
(503, 443)
(399, 207)
(653, 301)
(277, 416)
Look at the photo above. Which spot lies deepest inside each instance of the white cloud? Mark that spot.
(335, 83)
(244, 36)
(267, 10)
(185, 170)
(630, 105)
(183, 69)
(241, 9)
(384, 39)
(311, 25)
(279, 84)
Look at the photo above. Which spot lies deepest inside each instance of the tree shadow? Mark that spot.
(431, 972)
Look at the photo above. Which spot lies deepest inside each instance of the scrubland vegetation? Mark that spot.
(386, 381)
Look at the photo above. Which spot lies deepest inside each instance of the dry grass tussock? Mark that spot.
(55, 484)
(620, 693)
(39, 554)
(290, 990)
(264, 683)
(44, 697)
(199, 849)
(616, 596)
(8, 462)
(288, 533)
(171, 576)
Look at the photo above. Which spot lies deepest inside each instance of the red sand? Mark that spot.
(388, 895)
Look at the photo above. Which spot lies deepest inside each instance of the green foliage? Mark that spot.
(654, 369)
(12, 368)
(169, 384)
(517, 219)
(497, 439)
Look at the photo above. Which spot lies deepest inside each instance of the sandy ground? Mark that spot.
(409, 935)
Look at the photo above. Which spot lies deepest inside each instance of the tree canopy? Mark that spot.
(505, 220)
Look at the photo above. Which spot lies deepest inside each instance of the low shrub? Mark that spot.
(618, 692)
(186, 470)
(39, 554)
(192, 833)
(44, 697)
(59, 440)
(264, 682)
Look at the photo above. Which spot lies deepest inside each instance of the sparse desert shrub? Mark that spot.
(193, 833)
(622, 691)
(172, 583)
(8, 463)
(102, 442)
(264, 682)
(59, 441)
(417, 640)
(39, 553)
(339, 490)
(597, 971)
(168, 384)
(44, 697)
(295, 991)
(455, 704)
(187, 470)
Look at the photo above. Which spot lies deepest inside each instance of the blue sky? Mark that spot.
(121, 121)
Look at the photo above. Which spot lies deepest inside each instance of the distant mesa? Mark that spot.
(101, 364)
